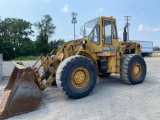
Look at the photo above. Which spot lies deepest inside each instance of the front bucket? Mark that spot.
(21, 94)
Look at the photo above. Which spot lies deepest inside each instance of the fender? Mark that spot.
(88, 55)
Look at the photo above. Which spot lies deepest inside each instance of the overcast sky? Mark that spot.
(144, 24)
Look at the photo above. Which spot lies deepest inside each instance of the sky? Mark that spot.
(144, 23)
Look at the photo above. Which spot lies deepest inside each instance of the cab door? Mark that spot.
(110, 46)
(110, 36)
(95, 39)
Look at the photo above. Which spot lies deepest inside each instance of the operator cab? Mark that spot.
(92, 31)
(102, 31)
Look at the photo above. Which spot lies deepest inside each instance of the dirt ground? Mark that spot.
(111, 99)
(156, 54)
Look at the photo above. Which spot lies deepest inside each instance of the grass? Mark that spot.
(27, 58)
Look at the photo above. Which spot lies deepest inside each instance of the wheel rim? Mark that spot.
(80, 77)
(136, 70)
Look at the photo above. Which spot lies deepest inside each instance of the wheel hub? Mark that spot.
(136, 70)
(80, 77)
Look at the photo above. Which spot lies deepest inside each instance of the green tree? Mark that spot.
(156, 48)
(56, 43)
(14, 36)
(46, 29)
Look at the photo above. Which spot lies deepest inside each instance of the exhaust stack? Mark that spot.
(125, 34)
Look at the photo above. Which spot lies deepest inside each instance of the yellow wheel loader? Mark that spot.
(75, 67)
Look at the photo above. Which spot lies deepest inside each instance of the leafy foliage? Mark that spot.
(46, 28)
(157, 48)
(15, 38)
(56, 43)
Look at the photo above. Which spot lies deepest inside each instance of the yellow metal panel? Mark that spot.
(118, 62)
(112, 64)
(60, 57)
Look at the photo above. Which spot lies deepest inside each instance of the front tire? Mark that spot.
(76, 76)
(133, 69)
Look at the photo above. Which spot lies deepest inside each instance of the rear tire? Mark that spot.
(133, 69)
(76, 76)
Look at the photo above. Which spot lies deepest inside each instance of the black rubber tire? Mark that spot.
(104, 75)
(65, 70)
(126, 69)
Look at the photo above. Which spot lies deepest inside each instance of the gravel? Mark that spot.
(111, 99)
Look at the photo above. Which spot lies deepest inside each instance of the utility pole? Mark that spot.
(127, 24)
(74, 21)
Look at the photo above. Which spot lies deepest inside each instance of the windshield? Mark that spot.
(88, 27)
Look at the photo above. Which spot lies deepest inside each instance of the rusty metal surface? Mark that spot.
(21, 94)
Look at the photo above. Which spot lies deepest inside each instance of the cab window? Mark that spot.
(115, 31)
(95, 35)
(107, 32)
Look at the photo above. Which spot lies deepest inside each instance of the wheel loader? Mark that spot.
(74, 67)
